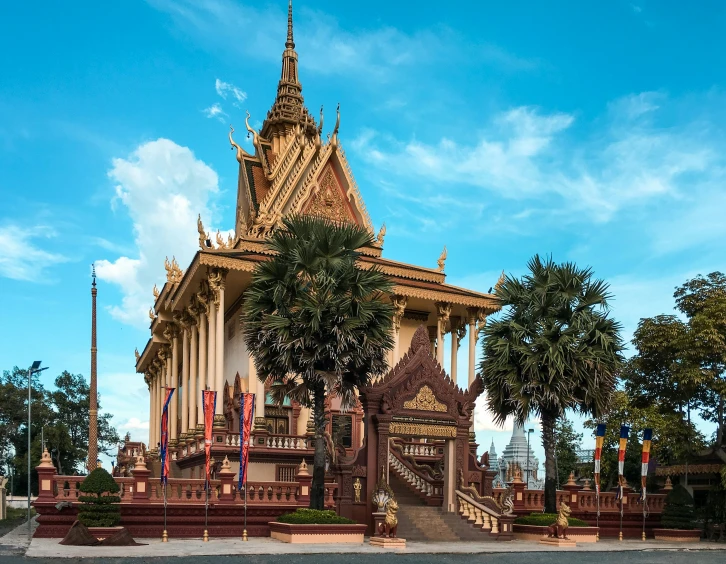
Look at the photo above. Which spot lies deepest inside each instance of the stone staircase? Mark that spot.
(419, 522)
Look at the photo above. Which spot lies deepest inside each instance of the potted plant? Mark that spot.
(316, 526)
(677, 518)
(99, 509)
(534, 527)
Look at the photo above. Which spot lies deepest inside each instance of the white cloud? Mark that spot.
(20, 256)
(135, 424)
(215, 112)
(324, 46)
(162, 187)
(527, 154)
(225, 89)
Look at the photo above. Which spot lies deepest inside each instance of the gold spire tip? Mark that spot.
(290, 43)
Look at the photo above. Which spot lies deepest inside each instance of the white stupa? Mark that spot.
(515, 457)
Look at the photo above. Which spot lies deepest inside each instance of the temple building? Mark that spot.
(195, 337)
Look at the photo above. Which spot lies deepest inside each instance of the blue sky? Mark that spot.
(592, 131)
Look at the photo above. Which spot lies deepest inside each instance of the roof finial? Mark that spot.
(93, 273)
(289, 44)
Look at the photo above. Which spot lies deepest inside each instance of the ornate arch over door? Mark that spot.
(418, 399)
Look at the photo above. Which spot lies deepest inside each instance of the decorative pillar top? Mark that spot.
(302, 469)
(45, 460)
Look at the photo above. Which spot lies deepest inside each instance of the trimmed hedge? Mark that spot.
(546, 519)
(100, 509)
(678, 509)
(314, 517)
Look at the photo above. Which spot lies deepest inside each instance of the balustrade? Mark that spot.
(586, 501)
(477, 513)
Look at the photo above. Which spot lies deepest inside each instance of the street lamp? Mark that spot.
(529, 433)
(34, 369)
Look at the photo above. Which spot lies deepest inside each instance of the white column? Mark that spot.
(399, 304)
(202, 375)
(454, 349)
(173, 411)
(443, 312)
(258, 387)
(185, 380)
(211, 357)
(219, 351)
(152, 411)
(194, 386)
(472, 342)
(302, 421)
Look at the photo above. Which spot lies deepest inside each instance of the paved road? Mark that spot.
(654, 557)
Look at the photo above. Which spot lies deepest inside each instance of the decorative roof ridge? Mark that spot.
(354, 187)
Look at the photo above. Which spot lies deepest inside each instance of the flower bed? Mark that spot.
(536, 532)
(678, 535)
(312, 526)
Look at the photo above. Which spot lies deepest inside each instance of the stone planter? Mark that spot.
(317, 534)
(677, 535)
(536, 532)
(103, 532)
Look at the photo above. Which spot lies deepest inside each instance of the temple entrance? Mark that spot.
(417, 400)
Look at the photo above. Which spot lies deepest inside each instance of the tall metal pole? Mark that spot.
(529, 433)
(30, 375)
(92, 462)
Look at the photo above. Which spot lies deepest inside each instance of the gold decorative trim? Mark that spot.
(491, 305)
(422, 430)
(425, 400)
(412, 273)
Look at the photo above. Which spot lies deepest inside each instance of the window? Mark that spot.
(342, 430)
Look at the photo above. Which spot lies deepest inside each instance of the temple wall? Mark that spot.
(408, 328)
(236, 358)
(260, 471)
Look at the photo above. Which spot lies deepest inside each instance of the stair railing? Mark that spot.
(478, 514)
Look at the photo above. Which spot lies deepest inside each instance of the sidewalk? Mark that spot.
(49, 548)
(17, 540)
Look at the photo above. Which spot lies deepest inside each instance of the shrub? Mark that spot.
(546, 519)
(678, 510)
(314, 517)
(101, 508)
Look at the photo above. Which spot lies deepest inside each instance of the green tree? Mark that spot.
(315, 322)
(672, 436)
(678, 509)
(567, 444)
(703, 300)
(61, 416)
(555, 348)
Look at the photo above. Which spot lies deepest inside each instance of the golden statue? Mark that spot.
(442, 260)
(390, 524)
(357, 487)
(558, 529)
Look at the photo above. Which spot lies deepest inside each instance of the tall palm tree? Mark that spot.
(555, 348)
(315, 322)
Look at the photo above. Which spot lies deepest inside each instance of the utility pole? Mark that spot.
(34, 369)
(93, 399)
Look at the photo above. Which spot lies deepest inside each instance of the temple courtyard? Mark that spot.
(14, 547)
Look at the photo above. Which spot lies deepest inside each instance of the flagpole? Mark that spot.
(620, 535)
(164, 535)
(205, 536)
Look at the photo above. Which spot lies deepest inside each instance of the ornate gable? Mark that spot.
(418, 387)
(329, 199)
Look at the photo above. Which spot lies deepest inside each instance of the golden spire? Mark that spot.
(289, 44)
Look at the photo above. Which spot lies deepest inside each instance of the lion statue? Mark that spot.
(558, 529)
(390, 524)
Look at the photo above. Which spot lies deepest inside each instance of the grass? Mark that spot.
(15, 513)
(546, 519)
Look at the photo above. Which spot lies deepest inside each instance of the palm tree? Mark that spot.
(315, 322)
(554, 349)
